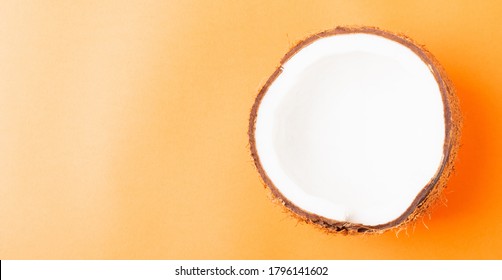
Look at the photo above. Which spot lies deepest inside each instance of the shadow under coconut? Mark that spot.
(465, 190)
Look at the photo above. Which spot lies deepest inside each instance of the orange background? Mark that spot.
(123, 128)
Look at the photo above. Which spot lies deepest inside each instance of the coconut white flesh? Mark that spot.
(352, 129)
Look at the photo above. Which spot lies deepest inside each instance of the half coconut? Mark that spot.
(356, 131)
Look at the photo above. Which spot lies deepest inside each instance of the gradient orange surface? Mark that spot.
(123, 129)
